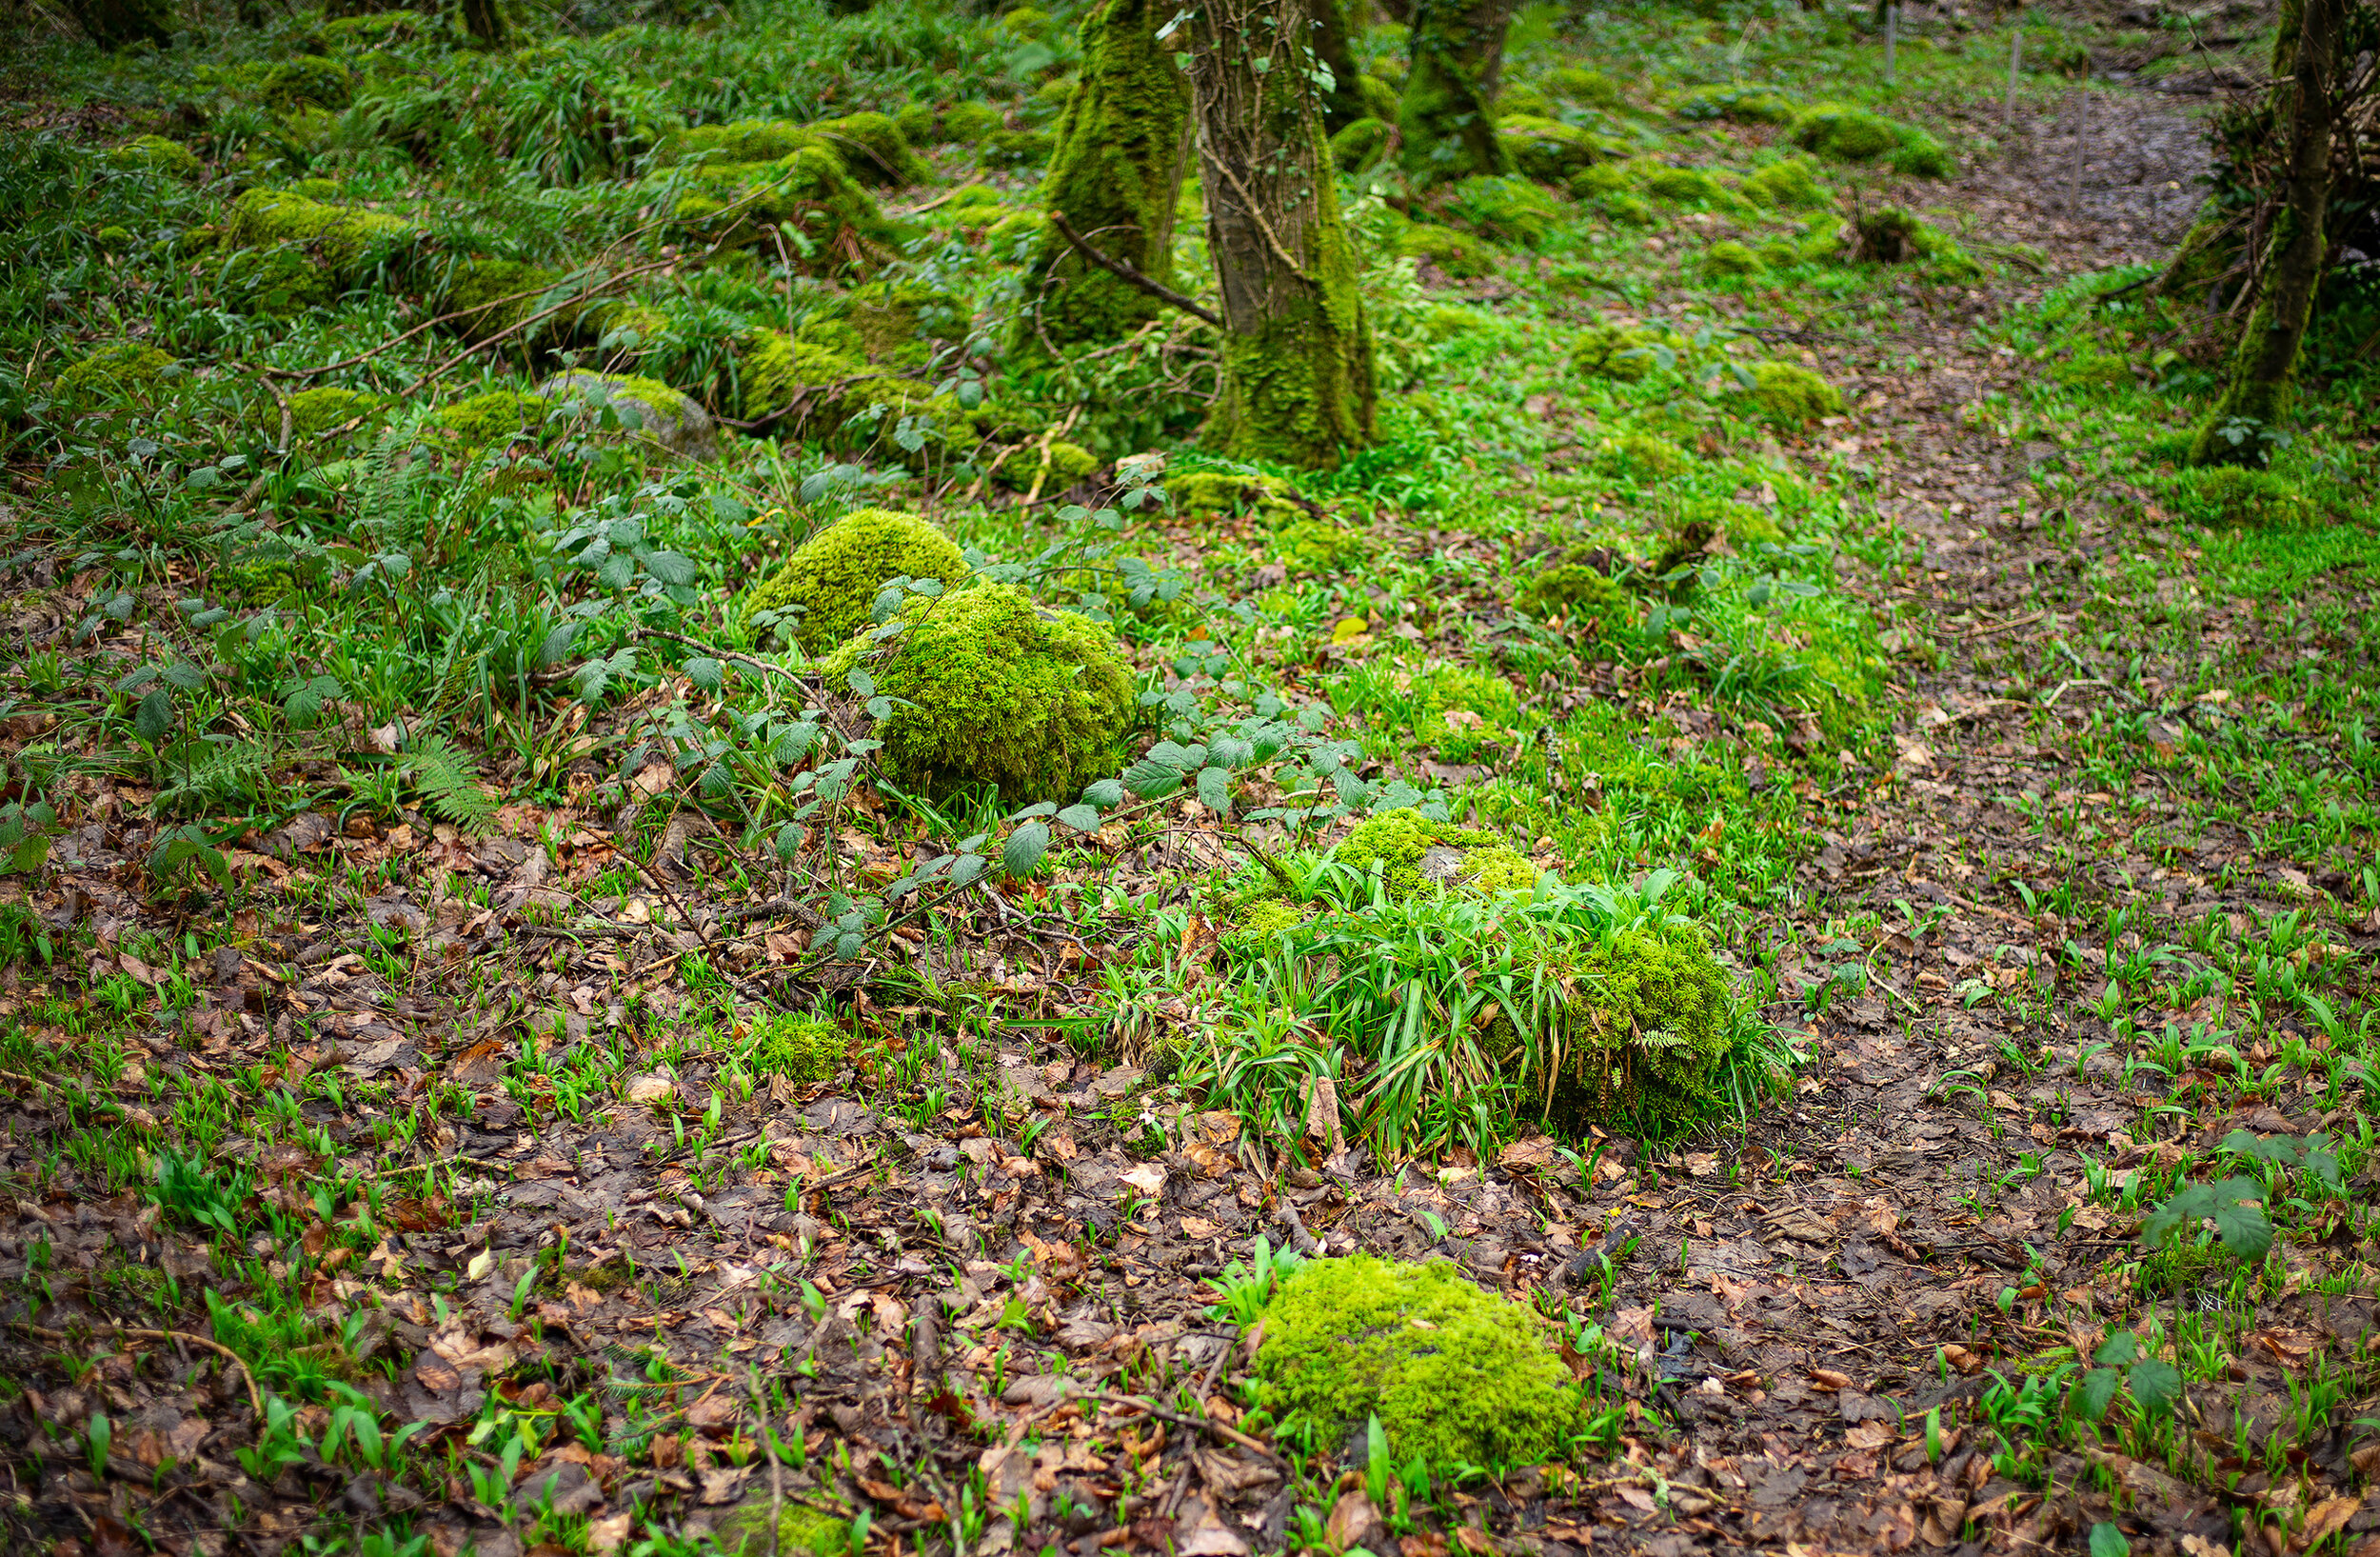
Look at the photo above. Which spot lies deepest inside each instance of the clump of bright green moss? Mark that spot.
(1547, 149)
(1644, 457)
(496, 416)
(1626, 352)
(1455, 1375)
(832, 579)
(1729, 259)
(1840, 133)
(2237, 495)
(1647, 1029)
(158, 154)
(1458, 254)
(801, 1049)
(1893, 236)
(1788, 185)
(1574, 593)
(120, 370)
(1792, 395)
(995, 691)
(1410, 853)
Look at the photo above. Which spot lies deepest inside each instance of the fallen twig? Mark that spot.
(255, 1396)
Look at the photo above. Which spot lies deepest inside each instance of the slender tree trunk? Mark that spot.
(1298, 375)
(114, 23)
(1343, 104)
(1448, 117)
(485, 21)
(1116, 177)
(2239, 430)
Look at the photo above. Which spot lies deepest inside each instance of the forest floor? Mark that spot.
(516, 1254)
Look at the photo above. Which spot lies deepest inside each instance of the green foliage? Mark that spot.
(1792, 395)
(1458, 254)
(801, 1049)
(1627, 352)
(119, 372)
(1546, 149)
(1841, 134)
(1786, 185)
(1505, 209)
(496, 416)
(1576, 593)
(832, 582)
(873, 149)
(2232, 495)
(1729, 259)
(1455, 1375)
(807, 191)
(1893, 236)
(1408, 853)
(982, 687)
(1359, 144)
(157, 154)
(1739, 105)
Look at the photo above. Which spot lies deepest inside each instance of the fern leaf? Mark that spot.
(450, 783)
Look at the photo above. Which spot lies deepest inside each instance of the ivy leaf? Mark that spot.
(1025, 849)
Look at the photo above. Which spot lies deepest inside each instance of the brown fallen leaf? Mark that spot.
(1826, 1378)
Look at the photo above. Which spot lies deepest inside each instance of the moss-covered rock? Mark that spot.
(1787, 185)
(1409, 854)
(874, 149)
(286, 254)
(995, 691)
(1546, 149)
(1461, 255)
(1229, 493)
(1359, 145)
(1729, 259)
(801, 1049)
(122, 372)
(1627, 352)
(742, 203)
(487, 298)
(1792, 395)
(2088, 370)
(1592, 87)
(1893, 236)
(1380, 98)
(494, 416)
(802, 1532)
(1648, 1030)
(1627, 208)
(1574, 594)
(740, 141)
(1739, 105)
(920, 124)
(1643, 457)
(2235, 495)
(971, 124)
(1307, 544)
(1841, 134)
(1681, 185)
(1455, 1375)
(652, 411)
(315, 412)
(1504, 208)
(833, 395)
(309, 79)
(157, 154)
(1017, 148)
(832, 579)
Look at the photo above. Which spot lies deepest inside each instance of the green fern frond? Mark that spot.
(448, 780)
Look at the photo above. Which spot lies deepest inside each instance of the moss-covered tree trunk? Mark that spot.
(1297, 376)
(114, 23)
(2239, 429)
(1447, 118)
(1116, 177)
(1343, 104)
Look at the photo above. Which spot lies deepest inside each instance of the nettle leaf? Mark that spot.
(2235, 1206)
(2117, 1350)
(1025, 849)
(154, 717)
(2155, 1385)
(1081, 818)
(1152, 780)
(965, 868)
(1106, 792)
(706, 672)
(2098, 1392)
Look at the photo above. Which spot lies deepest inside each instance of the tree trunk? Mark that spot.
(2240, 429)
(485, 21)
(1297, 376)
(1448, 117)
(114, 23)
(1343, 104)
(1116, 175)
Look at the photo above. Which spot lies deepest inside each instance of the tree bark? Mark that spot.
(1447, 117)
(1343, 104)
(485, 21)
(114, 23)
(1116, 175)
(2240, 429)
(1298, 374)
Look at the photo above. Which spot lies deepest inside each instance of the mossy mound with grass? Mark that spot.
(1411, 854)
(802, 1532)
(893, 322)
(1455, 1375)
(1893, 236)
(2237, 495)
(1646, 1031)
(1739, 105)
(1229, 493)
(120, 371)
(831, 582)
(741, 202)
(874, 149)
(157, 154)
(801, 1049)
(1790, 395)
(993, 690)
(1627, 352)
(1461, 709)
(1642, 457)
(1308, 545)
(1683, 186)
(1729, 260)
(315, 412)
(2088, 370)
(1788, 185)
(1590, 603)
(1592, 87)
(497, 417)
(310, 79)
(1018, 147)
(1547, 149)
(1461, 255)
(1357, 146)
(289, 254)
(1840, 133)
(663, 418)
(1507, 209)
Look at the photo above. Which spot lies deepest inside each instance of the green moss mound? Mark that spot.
(1458, 254)
(1547, 149)
(969, 124)
(1893, 236)
(1409, 854)
(1452, 1373)
(1730, 260)
(1307, 544)
(1840, 133)
(1683, 186)
(1627, 352)
(1576, 593)
(2088, 370)
(123, 370)
(1643, 457)
(801, 1049)
(833, 578)
(1001, 692)
(2236, 495)
(314, 412)
(1018, 147)
(1739, 105)
(157, 154)
(1792, 395)
(1508, 210)
(1592, 87)
(650, 410)
(309, 79)
(875, 151)
(1229, 492)
(291, 253)
(497, 417)
(1359, 145)
(1647, 1030)
(743, 140)
(740, 203)
(1789, 184)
